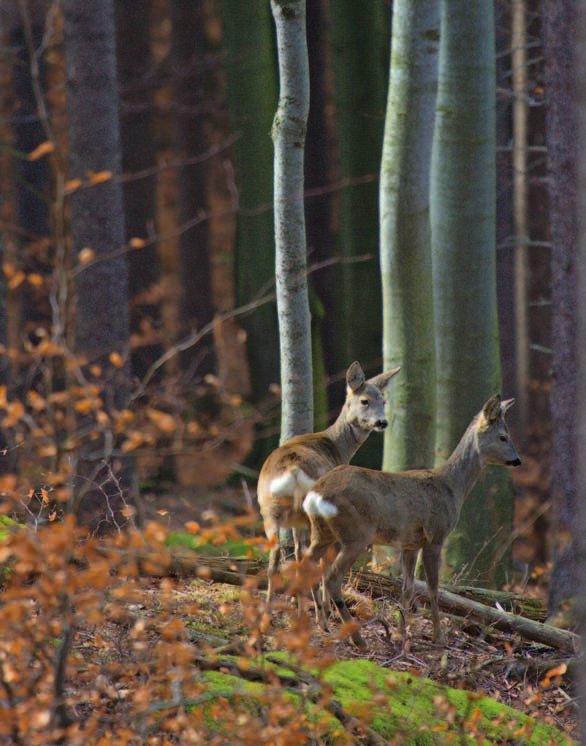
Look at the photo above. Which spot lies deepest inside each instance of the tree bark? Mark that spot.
(289, 128)
(133, 25)
(196, 308)
(405, 238)
(251, 85)
(559, 24)
(359, 39)
(463, 248)
(105, 482)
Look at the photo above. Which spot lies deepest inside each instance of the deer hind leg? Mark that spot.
(431, 562)
(347, 555)
(274, 560)
(315, 554)
(408, 563)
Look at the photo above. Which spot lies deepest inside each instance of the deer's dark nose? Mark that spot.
(380, 424)
(514, 462)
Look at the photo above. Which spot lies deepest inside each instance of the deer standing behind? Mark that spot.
(290, 470)
(416, 510)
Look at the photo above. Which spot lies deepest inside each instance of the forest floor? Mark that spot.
(504, 666)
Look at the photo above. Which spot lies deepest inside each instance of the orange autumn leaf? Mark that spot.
(137, 243)
(35, 279)
(86, 255)
(16, 280)
(116, 359)
(72, 185)
(100, 177)
(41, 151)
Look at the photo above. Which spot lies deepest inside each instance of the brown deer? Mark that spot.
(352, 507)
(291, 469)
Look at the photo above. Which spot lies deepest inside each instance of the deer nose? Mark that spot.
(381, 424)
(514, 462)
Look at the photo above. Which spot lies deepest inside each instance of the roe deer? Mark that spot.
(352, 507)
(291, 469)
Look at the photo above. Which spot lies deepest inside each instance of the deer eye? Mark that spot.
(364, 402)
(503, 438)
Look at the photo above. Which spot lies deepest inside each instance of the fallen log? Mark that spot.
(568, 642)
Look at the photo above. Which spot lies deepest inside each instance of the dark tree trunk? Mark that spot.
(189, 69)
(251, 88)
(105, 481)
(559, 23)
(138, 154)
(318, 216)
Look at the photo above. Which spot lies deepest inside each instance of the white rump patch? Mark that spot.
(284, 484)
(294, 482)
(314, 504)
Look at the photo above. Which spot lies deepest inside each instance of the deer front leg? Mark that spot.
(408, 563)
(315, 554)
(274, 559)
(431, 562)
(347, 555)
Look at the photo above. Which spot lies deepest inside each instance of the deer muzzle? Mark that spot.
(514, 462)
(380, 425)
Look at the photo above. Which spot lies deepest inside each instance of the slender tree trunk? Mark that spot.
(288, 132)
(359, 37)
(505, 254)
(521, 207)
(251, 86)
(463, 247)
(189, 76)
(318, 215)
(408, 330)
(250, 69)
(105, 481)
(133, 24)
(559, 23)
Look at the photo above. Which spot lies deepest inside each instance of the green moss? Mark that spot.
(195, 542)
(419, 711)
(426, 712)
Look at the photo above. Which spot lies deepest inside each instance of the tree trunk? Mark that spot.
(408, 331)
(463, 248)
(189, 78)
(559, 23)
(578, 63)
(359, 37)
(251, 87)
(318, 216)
(104, 482)
(288, 133)
(133, 24)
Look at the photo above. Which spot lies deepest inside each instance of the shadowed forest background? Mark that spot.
(140, 371)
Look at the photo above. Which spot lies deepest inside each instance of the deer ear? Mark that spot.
(382, 380)
(492, 408)
(355, 377)
(506, 404)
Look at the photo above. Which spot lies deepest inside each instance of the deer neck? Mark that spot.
(463, 467)
(347, 437)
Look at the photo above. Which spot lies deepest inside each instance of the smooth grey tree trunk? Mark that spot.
(289, 128)
(405, 237)
(463, 203)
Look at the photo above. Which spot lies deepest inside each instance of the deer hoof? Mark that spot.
(360, 643)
